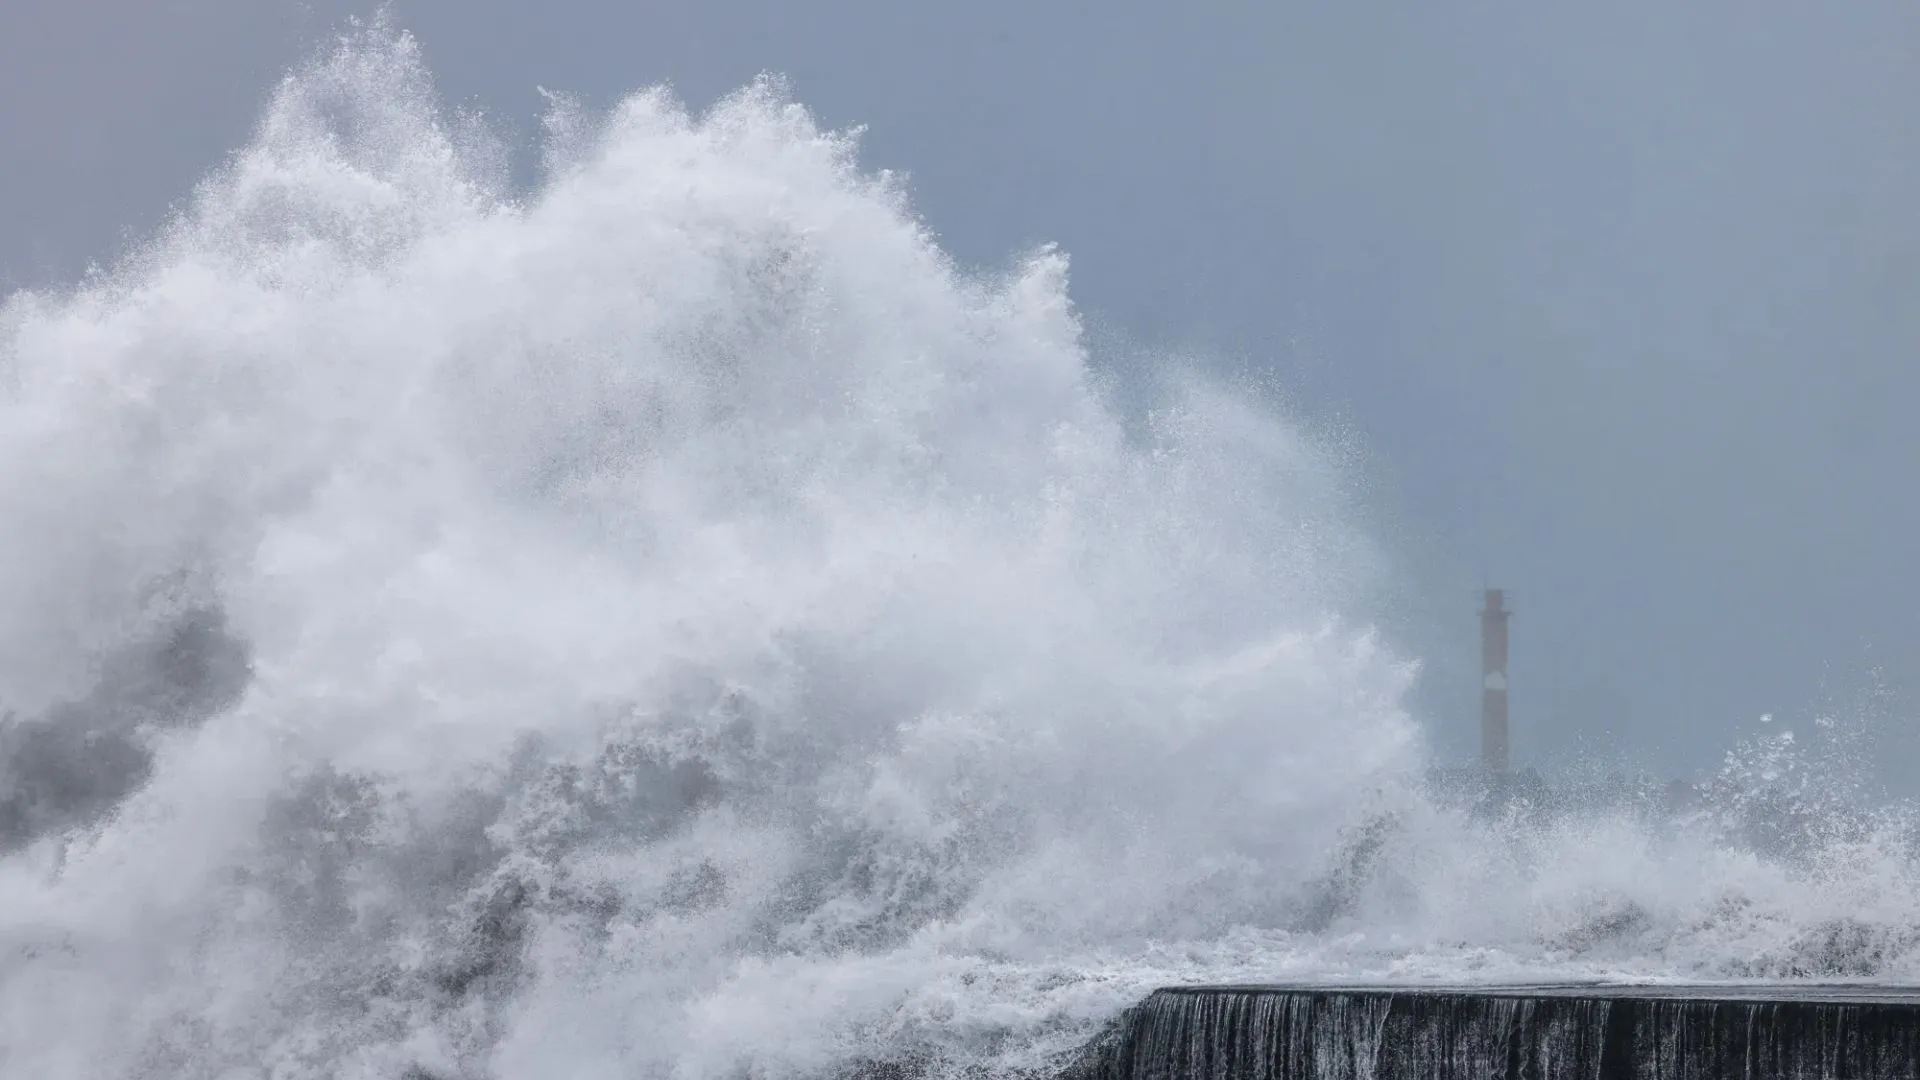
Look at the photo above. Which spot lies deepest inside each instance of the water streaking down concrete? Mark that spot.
(1544, 1032)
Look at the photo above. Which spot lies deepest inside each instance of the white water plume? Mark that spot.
(672, 622)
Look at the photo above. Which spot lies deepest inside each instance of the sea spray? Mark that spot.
(669, 621)
(687, 626)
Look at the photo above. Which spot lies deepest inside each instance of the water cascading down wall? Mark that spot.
(1516, 1033)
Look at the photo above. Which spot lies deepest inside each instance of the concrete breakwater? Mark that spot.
(1557, 1032)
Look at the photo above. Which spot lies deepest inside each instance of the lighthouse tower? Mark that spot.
(1493, 683)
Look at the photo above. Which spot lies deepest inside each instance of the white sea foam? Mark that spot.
(691, 629)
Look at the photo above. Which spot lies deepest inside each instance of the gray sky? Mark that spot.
(1621, 297)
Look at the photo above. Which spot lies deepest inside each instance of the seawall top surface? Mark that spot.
(1742, 992)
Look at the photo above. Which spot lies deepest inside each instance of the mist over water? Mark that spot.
(672, 622)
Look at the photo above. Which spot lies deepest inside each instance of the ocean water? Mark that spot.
(670, 621)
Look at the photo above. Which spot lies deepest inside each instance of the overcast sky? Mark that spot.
(1621, 297)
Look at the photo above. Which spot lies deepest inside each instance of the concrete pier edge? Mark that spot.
(1547, 1031)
